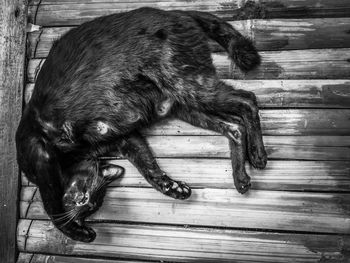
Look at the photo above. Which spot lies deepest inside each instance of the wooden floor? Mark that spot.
(298, 209)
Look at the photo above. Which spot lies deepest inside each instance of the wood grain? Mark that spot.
(274, 122)
(320, 93)
(295, 64)
(24, 257)
(277, 210)
(40, 258)
(276, 34)
(217, 173)
(316, 33)
(75, 12)
(298, 93)
(278, 147)
(167, 243)
(13, 15)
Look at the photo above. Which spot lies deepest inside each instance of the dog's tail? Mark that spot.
(240, 48)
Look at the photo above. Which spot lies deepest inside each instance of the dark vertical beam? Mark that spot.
(13, 16)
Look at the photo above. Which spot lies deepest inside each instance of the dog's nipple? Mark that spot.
(102, 127)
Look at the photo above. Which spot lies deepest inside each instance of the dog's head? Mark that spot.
(85, 191)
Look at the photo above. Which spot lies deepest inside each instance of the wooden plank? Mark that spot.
(24, 257)
(40, 41)
(277, 210)
(316, 33)
(217, 173)
(34, 66)
(278, 147)
(274, 122)
(298, 93)
(295, 64)
(201, 245)
(278, 175)
(319, 93)
(41, 258)
(75, 12)
(276, 34)
(13, 14)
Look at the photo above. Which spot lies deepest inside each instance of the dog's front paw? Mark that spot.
(172, 188)
(177, 190)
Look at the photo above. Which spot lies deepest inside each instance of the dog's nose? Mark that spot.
(82, 199)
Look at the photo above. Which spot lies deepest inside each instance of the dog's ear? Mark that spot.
(111, 172)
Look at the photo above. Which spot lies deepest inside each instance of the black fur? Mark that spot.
(106, 79)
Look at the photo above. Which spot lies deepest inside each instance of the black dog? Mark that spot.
(106, 79)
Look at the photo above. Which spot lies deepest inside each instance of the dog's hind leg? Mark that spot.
(212, 96)
(243, 104)
(233, 128)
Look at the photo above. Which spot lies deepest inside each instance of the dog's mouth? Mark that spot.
(82, 199)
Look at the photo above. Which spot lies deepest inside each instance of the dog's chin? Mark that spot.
(89, 209)
(86, 212)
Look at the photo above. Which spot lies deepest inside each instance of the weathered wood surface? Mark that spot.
(320, 93)
(186, 244)
(40, 258)
(274, 122)
(295, 64)
(278, 147)
(267, 34)
(298, 93)
(13, 14)
(75, 12)
(25, 257)
(278, 210)
(305, 65)
(217, 173)
(281, 34)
